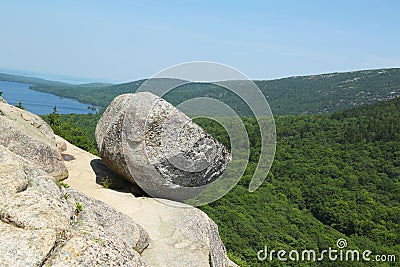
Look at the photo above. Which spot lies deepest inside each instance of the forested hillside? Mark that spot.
(341, 170)
(334, 176)
(313, 94)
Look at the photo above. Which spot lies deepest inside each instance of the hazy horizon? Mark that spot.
(123, 41)
(82, 80)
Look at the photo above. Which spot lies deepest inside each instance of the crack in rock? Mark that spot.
(7, 218)
(61, 240)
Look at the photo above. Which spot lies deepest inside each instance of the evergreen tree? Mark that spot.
(20, 105)
(54, 119)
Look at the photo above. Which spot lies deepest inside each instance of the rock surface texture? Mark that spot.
(29, 136)
(153, 144)
(183, 236)
(41, 226)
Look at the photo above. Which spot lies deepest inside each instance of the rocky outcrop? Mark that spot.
(29, 136)
(153, 144)
(44, 225)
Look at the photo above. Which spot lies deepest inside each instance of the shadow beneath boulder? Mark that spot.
(111, 180)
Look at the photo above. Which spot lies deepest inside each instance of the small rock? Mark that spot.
(61, 145)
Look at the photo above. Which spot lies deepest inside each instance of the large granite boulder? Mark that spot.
(30, 137)
(44, 225)
(156, 146)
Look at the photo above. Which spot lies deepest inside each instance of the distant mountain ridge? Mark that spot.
(28, 80)
(331, 92)
(313, 94)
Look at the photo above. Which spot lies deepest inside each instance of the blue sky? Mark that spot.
(128, 40)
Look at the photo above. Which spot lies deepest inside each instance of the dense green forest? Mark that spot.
(313, 94)
(334, 176)
(77, 129)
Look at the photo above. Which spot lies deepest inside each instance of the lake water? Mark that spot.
(39, 102)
